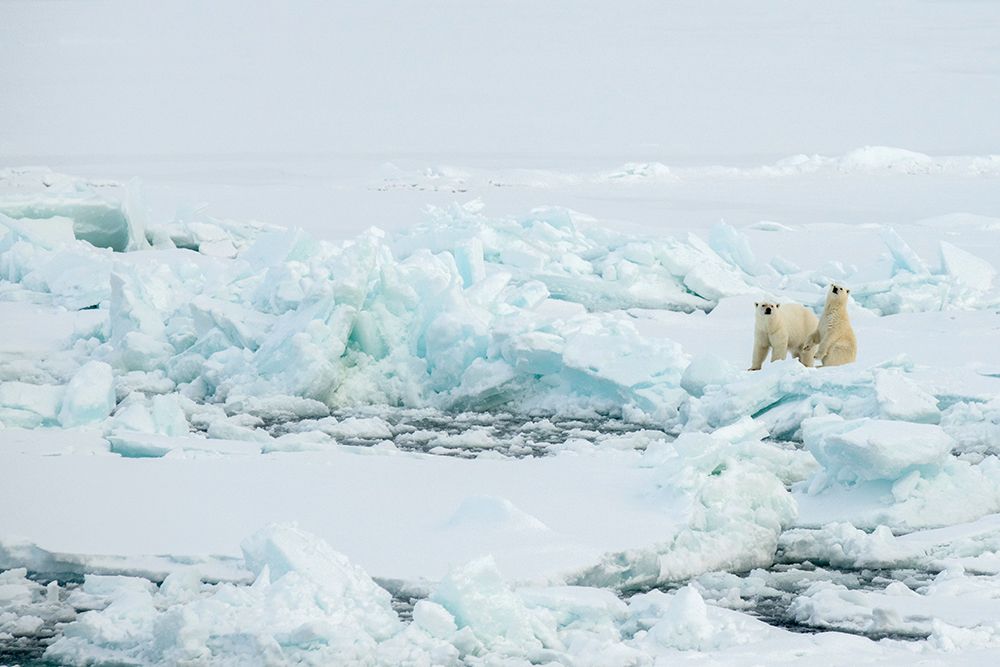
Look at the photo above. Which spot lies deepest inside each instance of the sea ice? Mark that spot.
(308, 603)
(30, 405)
(89, 396)
(870, 449)
(371, 428)
(937, 496)
(237, 428)
(844, 546)
(871, 159)
(478, 598)
(970, 270)
(734, 247)
(49, 234)
(902, 399)
(100, 218)
(706, 370)
(471, 438)
(227, 328)
(684, 622)
(490, 513)
(436, 315)
(952, 598)
(168, 415)
(721, 533)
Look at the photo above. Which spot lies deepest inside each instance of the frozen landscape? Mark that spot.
(419, 334)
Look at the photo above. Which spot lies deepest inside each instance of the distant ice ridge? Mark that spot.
(463, 312)
(867, 160)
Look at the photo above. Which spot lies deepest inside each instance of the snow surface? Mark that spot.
(416, 334)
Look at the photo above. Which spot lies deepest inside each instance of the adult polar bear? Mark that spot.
(834, 340)
(783, 328)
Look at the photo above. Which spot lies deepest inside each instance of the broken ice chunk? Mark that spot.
(970, 270)
(706, 370)
(870, 449)
(29, 404)
(902, 254)
(901, 398)
(734, 247)
(90, 395)
(101, 219)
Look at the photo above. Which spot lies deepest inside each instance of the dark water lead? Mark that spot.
(52, 606)
(448, 434)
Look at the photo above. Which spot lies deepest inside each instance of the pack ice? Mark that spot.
(176, 365)
(464, 312)
(309, 605)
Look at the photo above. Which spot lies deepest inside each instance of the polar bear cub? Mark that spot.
(782, 328)
(834, 338)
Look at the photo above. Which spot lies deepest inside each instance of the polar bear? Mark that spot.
(783, 328)
(834, 340)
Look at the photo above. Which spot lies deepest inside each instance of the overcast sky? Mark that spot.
(705, 81)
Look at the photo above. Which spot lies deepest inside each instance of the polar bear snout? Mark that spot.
(767, 310)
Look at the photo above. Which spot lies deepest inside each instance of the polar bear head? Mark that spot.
(766, 308)
(837, 295)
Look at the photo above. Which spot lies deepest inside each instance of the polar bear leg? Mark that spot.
(822, 350)
(839, 353)
(779, 347)
(759, 354)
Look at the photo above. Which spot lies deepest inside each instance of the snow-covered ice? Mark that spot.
(268, 364)
(257, 365)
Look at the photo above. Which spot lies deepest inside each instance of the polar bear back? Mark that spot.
(799, 322)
